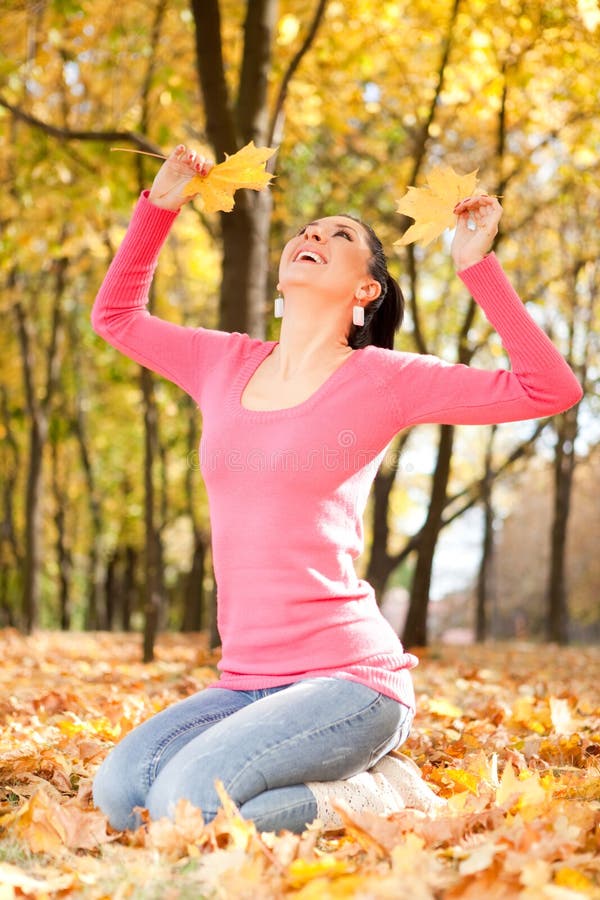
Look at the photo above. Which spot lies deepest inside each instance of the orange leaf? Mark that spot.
(48, 827)
(462, 779)
(432, 207)
(34, 824)
(180, 837)
(244, 169)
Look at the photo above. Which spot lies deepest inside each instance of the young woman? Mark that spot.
(315, 685)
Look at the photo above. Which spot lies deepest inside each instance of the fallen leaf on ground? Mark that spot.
(49, 827)
(522, 817)
(14, 877)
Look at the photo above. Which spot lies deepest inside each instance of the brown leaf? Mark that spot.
(48, 827)
(180, 837)
(83, 829)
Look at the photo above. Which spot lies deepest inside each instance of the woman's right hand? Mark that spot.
(177, 170)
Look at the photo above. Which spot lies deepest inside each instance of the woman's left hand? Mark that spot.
(477, 226)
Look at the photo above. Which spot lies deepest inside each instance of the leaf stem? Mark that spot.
(141, 152)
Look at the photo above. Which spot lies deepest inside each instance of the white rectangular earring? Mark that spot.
(278, 308)
(358, 315)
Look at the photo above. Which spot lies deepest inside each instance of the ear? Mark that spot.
(368, 290)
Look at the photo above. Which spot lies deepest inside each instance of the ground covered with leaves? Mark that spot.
(509, 736)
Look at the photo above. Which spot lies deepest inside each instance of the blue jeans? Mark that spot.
(262, 744)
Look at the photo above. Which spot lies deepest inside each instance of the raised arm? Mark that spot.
(425, 389)
(120, 312)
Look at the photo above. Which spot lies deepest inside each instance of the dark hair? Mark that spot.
(384, 315)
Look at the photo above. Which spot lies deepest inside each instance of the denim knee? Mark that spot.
(117, 790)
(173, 784)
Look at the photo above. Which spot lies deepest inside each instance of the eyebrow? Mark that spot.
(337, 224)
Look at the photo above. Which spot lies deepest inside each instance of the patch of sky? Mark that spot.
(371, 92)
(457, 555)
(33, 87)
(71, 72)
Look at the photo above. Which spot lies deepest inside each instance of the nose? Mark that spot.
(313, 232)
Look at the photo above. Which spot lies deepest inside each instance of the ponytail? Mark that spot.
(383, 316)
(387, 317)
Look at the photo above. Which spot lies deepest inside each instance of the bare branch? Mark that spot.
(276, 126)
(418, 160)
(472, 493)
(65, 134)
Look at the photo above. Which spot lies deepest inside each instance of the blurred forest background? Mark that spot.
(104, 520)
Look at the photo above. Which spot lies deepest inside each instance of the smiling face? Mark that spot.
(330, 255)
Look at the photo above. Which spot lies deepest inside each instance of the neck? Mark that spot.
(310, 336)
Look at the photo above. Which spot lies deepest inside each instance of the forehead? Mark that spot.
(337, 220)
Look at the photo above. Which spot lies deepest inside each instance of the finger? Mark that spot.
(202, 166)
(471, 203)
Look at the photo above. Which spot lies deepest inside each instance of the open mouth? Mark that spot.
(309, 256)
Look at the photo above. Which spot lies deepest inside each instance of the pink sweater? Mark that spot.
(287, 488)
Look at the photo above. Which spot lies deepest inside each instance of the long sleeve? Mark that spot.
(423, 388)
(119, 315)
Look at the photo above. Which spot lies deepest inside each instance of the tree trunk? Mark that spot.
(153, 581)
(564, 457)
(129, 587)
(63, 554)
(215, 637)
(229, 126)
(11, 561)
(381, 564)
(33, 522)
(484, 577)
(415, 629)
(111, 590)
(154, 590)
(245, 233)
(38, 410)
(193, 594)
(94, 559)
(564, 467)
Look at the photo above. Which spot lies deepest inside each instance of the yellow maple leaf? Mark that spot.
(524, 791)
(244, 169)
(440, 706)
(302, 871)
(432, 206)
(568, 877)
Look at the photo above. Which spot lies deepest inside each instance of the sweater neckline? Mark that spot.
(251, 364)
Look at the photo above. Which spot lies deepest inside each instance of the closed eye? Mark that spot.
(342, 231)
